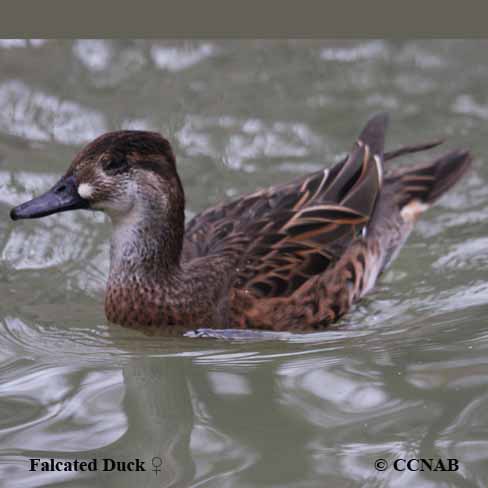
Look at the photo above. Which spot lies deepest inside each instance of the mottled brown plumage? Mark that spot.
(290, 257)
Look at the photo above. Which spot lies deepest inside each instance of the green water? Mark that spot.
(404, 376)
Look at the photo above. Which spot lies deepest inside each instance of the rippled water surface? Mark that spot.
(404, 375)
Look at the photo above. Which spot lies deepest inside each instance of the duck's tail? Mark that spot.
(409, 191)
(401, 151)
(419, 187)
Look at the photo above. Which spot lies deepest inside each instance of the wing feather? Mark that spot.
(283, 236)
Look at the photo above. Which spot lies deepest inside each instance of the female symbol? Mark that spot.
(156, 461)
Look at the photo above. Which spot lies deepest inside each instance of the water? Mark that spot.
(403, 376)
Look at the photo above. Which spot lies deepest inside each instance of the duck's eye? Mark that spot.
(116, 165)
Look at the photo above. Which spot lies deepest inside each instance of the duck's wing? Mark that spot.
(284, 235)
(218, 222)
(204, 232)
(299, 243)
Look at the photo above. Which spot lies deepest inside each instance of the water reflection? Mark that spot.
(39, 116)
(177, 58)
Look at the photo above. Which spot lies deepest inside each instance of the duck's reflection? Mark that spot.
(160, 421)
(209, 423)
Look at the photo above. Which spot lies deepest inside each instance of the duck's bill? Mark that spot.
(61, 197)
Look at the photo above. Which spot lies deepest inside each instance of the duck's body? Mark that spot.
(291, 257)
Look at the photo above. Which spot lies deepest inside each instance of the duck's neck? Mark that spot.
(146, 245)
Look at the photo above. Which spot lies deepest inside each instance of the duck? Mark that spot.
(291, 257)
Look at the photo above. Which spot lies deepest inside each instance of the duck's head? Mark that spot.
(116, 173)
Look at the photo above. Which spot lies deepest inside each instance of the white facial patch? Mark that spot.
(85, 190)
